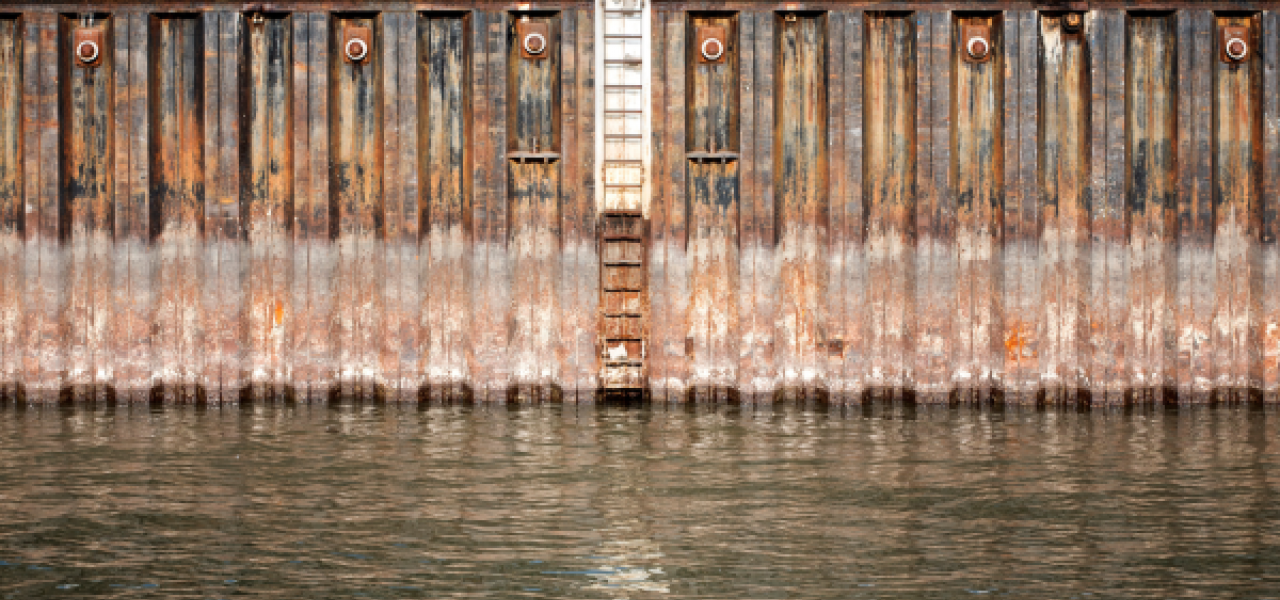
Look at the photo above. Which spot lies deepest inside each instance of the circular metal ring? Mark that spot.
(541, 43)
(80, 52)
(1237, 49)
(978, 47)
(363, 52)
(719, 49)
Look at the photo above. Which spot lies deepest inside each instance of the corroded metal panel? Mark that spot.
(1270, 328)
(446, 218)
(712, 208)
(357, 208)
(86, 145)
(1237, 199)
(401, 347)
(935, 211)
(1108, 276)
(890, 187)
(803, 195)
(309, 333)
(534, 155)
(177, 202)
(267, 199)
(669, 267)
(977, 178)
(133, 296)
(43, 260)
(1023, 334)
(222, 300)
(1064, 235)
(12, 210)
(1150, 197)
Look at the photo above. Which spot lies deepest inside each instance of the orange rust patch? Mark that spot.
(1015, 342)
(279, 313)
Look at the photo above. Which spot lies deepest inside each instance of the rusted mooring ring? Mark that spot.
(1237, 49)
(978, 48)
(535, 43)
(361, 54)
(719, 49)
(87, 59)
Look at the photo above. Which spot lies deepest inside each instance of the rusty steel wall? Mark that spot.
(846, 203)
(224, 206)
(1085, 212)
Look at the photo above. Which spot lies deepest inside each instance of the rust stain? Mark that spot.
(1019, 342)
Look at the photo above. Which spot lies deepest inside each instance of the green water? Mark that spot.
(285, 501)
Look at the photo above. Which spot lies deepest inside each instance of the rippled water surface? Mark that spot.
(658, 502)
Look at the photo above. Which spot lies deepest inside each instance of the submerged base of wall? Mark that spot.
(539, 395)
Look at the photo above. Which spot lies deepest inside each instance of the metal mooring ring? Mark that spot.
(719, 49)
(978, 47)
(357, 56)
(529, 45)
(81, 55)
(1237, 49)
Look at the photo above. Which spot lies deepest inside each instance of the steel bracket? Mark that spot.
(976, 43)
(89, 46)
(1234, 44)
(534, 39)
(357, 44)
(711, 45)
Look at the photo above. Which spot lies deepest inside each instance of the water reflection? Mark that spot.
(668, 501)
(626, 565)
